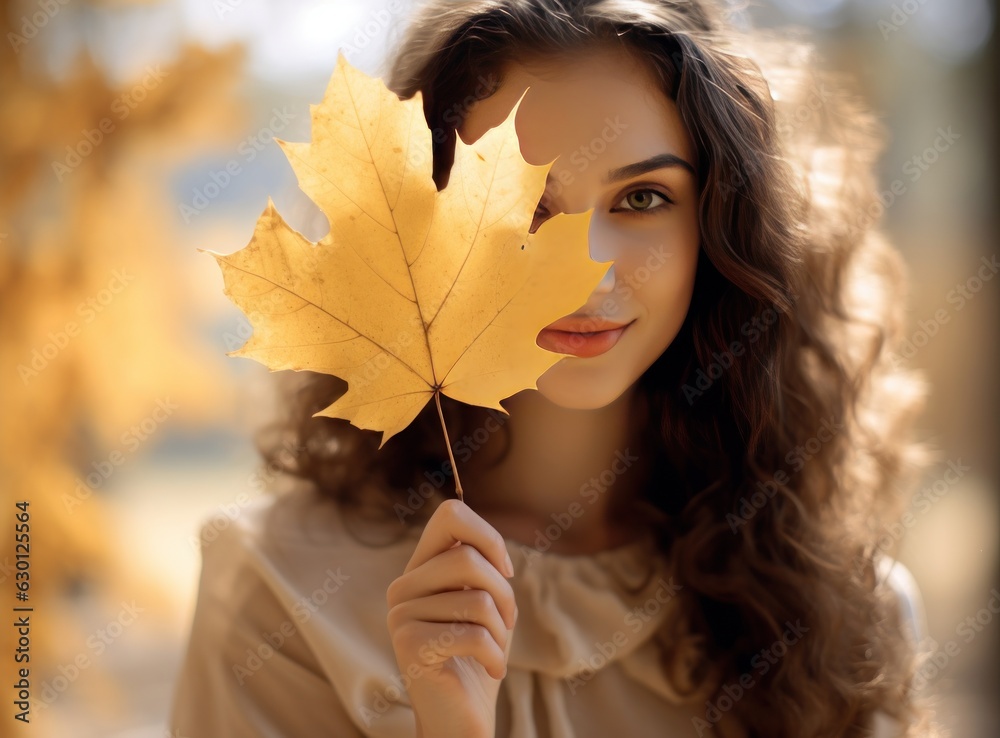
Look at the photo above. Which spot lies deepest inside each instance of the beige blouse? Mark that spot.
(290, 639)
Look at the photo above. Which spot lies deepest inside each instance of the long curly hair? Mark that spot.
(780, 417)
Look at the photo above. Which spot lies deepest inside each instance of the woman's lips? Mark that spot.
(583, 337)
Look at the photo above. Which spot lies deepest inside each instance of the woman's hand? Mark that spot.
(452, 613)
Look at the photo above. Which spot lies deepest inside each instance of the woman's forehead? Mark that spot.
(605, 101)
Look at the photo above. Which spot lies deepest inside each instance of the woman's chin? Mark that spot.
(574, 390)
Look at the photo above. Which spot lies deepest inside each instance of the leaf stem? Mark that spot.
(451, 456)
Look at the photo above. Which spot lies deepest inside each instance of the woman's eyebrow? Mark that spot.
(659, 161)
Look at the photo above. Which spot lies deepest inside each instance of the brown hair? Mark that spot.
(769, 518)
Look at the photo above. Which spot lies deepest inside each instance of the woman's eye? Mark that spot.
(637, 202)
(642, 201)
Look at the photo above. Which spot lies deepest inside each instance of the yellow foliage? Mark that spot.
(413, 291)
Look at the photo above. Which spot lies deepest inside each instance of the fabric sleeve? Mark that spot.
(248, 671)
(911, 603)
(911, 610)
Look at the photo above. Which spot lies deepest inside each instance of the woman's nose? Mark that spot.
(607, 283)
(600, 242)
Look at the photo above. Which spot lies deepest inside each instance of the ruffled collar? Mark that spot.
(579, 613)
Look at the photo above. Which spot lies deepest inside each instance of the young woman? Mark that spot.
(678, 532)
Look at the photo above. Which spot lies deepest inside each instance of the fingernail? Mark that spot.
(510, 565)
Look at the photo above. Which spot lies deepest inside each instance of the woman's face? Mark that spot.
(623, 151)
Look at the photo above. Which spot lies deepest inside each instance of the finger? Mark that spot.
(509, 642)
(474, 606)
(428, 644)
(453, 521)
(462, 566)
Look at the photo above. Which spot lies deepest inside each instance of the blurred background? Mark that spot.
(133, 134)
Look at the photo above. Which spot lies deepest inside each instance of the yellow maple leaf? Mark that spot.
(413, 292)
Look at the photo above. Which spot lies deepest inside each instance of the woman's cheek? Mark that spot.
(648, 255)
(623, 238)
